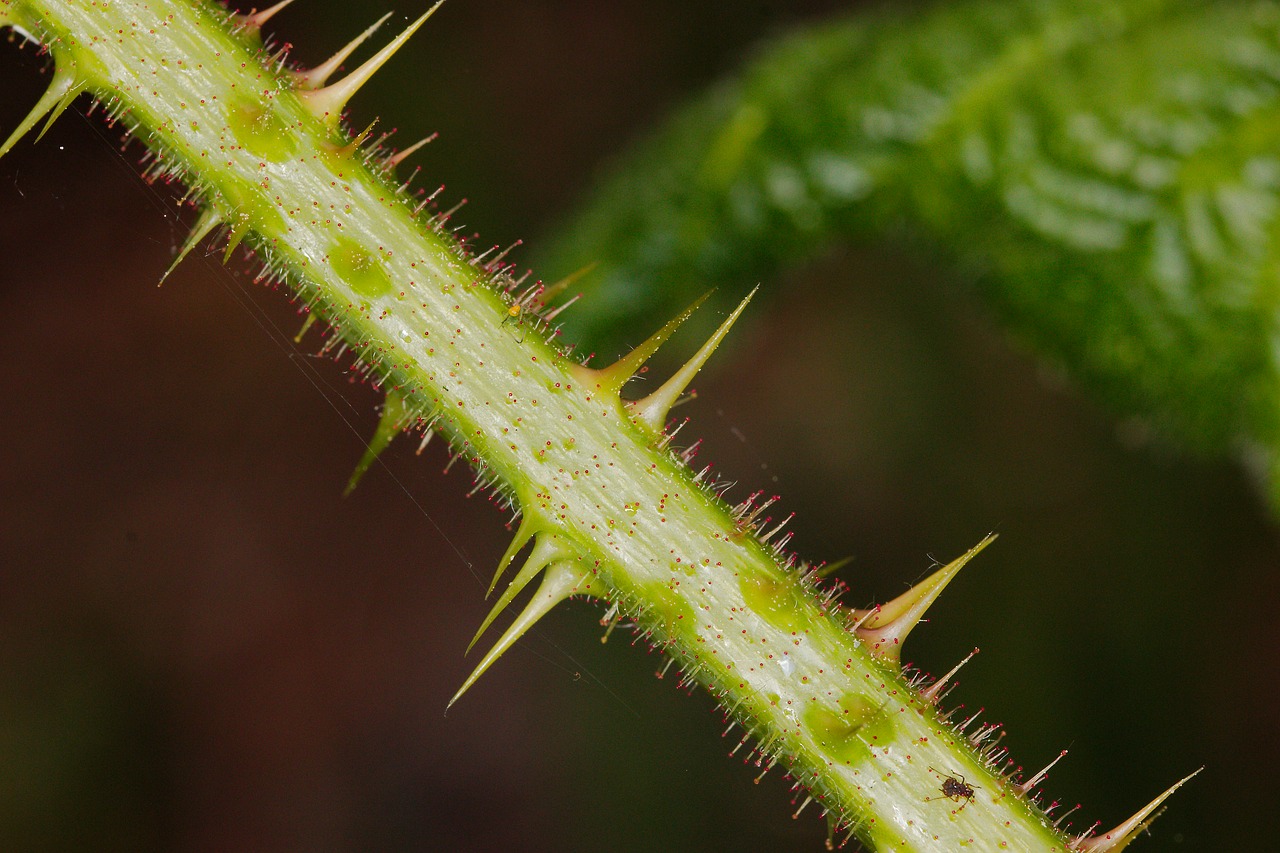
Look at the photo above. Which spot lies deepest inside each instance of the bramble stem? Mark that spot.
(610, 510)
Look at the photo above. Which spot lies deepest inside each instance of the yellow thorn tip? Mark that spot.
(554, 290)
(306, 325)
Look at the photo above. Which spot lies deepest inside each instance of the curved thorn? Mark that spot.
(316, 77)
(885, 628)
(393, 418)
(559, 582)
(1119, 838)
(51, 103)
(652, 410)
(209, 220)
(546, 550)
(328, 103)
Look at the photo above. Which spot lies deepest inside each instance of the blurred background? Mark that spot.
(204, 647)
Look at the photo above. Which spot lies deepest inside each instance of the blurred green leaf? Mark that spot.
(1108, 173)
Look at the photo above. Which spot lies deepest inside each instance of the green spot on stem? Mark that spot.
(848, 733)
(775, 599)
(244, 209)
(668, 608)
(261, 131)
(360, 269)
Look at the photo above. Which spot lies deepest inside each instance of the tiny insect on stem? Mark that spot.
(954, 788)
(514, 313)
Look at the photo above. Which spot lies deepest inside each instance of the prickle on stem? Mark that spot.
(886, 627)
(1119, 838)
(208, 221)
(400, 156)
(933, 692)
(394, 416)
(327, 103)
(548, 548)
(561, 581)
(524, 533)
(652, 411)
(611, 379)
(62, 90)
(252, 22)
(314, 78)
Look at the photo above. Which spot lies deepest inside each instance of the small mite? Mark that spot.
(954, 788)
(514, 315)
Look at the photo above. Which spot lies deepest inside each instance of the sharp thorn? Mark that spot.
(546, 550)
(316, 77)
(59, 108)
(51, 103)
(238, 232)
(559, 582)
(611, 379)
(524, 533)
(353, 145)
(390, 423)
(209, 220)
(652, 410)
(889, 624)
(328, 103)
(1119, 838)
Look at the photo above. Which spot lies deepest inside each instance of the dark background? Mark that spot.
(204, 647)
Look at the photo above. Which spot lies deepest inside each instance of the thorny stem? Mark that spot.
(611, 510)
